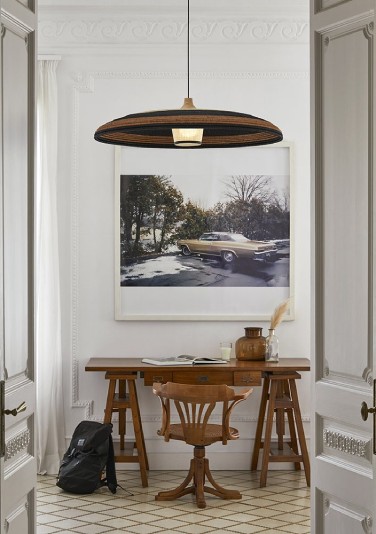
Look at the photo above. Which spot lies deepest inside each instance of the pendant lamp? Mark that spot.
(188, 127)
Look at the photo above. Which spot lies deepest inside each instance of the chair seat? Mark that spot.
(213, 433)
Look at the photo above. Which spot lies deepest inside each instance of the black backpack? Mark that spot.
(90, 452)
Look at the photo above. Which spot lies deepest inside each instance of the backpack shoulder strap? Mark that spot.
(111, 479)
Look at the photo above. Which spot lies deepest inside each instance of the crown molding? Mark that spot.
(89, 23)
(68, 32)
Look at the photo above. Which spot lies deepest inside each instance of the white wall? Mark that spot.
(123, 56)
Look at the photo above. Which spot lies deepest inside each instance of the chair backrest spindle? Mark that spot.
(195, 405)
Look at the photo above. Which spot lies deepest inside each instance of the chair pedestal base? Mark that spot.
(199, 470)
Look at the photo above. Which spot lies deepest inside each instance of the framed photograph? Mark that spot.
(203, 234)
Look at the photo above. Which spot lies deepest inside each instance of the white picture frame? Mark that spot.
(144, 303)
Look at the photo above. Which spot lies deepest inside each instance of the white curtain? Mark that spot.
(50, 414)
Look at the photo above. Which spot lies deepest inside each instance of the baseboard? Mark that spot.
(223, 460)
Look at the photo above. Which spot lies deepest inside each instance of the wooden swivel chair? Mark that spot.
(194, 405)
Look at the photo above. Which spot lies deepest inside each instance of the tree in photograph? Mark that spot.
(255, 209)
(278, 217)
(246, 188)
(195, 222)
(167, 209)
(246, 218)
(150, 208)
(134, 204)
(219, 219)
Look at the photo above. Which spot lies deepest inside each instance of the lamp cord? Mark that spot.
(188, 48)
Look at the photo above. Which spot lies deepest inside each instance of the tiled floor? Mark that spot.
(283, 506)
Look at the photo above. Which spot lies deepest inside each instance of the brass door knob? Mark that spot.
(21, 408)
(364, 411)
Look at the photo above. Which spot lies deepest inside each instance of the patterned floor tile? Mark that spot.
(296, 529)
(282, 506)
(195, 529)
(247, 529)
(270, 522)
(91, 529)
(45, 529)
(67, 524)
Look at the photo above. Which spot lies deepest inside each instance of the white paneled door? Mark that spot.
(17, 399)
(343, 118)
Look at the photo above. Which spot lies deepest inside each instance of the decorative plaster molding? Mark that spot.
(340, 378)
(322, 5)
(204, 75)
(66, 31)
(82, 85)
(345, 512)
(367, 375)
(14, 518)
(367, 524)
(84, 82)
(76, 403)
(17, 444)
(14, 24)
(368, 30)
(345, 443)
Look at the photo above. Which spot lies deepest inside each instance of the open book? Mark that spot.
(183, 359)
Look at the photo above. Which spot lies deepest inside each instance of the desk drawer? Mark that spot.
(247, 378)
(204, 377)
(157, 376)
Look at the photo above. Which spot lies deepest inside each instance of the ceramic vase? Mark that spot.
(252, 346)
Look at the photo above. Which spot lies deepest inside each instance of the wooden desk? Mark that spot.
(279, 392)
(232, 373)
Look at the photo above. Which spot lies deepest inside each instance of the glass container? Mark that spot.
(272, 347)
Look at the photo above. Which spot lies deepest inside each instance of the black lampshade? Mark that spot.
(188, 127)
(221, 129)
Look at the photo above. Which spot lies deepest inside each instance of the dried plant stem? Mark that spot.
(279, 313)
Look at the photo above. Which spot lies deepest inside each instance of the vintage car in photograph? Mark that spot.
(228, 247)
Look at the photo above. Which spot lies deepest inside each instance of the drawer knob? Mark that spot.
(158, 378)
(247, 379)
